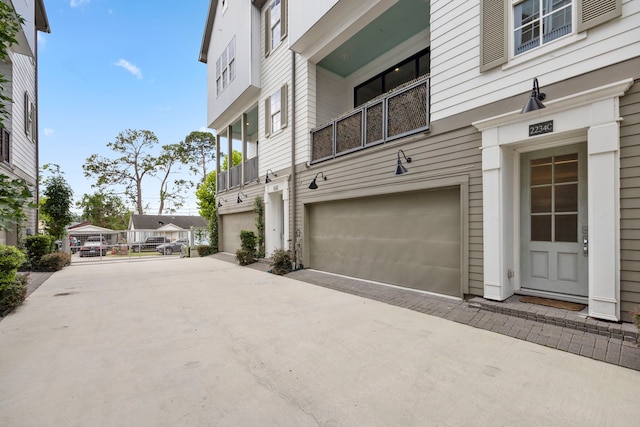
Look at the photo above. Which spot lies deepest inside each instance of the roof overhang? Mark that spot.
(208, 31)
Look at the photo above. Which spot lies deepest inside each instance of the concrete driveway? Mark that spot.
(202, 342)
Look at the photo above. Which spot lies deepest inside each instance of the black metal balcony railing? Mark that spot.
(401, 112)
(250, 174)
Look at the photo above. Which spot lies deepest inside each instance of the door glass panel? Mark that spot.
(541, 171)
(566, 228)
(541, 228)
(566, 198)
(566, 168)
(541, 200)
(554, 198)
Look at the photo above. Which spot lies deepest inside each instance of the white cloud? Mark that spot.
(42, 39)
(129, 67)
(78, 3)
(48, 132)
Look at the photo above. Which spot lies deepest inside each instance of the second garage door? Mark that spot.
(408, 239)
(231, 224)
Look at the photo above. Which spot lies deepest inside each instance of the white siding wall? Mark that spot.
(275, 150)
(24, 147)
(242, 21)
(457, 85)
(333, 96)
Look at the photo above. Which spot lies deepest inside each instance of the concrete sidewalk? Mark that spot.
(199, 341)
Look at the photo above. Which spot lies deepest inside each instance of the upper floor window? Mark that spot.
(29, 117)
(226, 67)
(225, 3)
(537, 22)
(275, 111)
(275, 25)
(5, 146)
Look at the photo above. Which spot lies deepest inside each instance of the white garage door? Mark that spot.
(231, 224)
(408, 239)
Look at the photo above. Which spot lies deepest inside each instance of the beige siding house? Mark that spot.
(19, 136)
(397, 151)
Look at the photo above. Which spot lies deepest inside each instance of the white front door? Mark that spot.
(554, 233)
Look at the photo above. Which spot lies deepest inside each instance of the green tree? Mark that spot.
(128, 169)
(236, 160)
(206, 195)
(15, 195)
(198, 149)
(10, 24)
(105, 210)
(56, 206)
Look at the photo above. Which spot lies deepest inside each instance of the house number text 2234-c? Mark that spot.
(541, 128)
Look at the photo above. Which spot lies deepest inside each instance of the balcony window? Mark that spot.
(401, 73)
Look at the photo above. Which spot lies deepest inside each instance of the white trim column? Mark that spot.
(604, 220)
(281, 184)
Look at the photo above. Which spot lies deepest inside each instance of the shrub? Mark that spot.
(247, 255)
(14, 293)
(205, 250)
(54, 261)
(10, 259)
(37, 247)
(281, 262)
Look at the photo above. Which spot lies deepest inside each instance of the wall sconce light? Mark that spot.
(266, 178)
(239, 199)
(161, 222)
(313, 184)
(400, 169)
(219, 202)
(535, 100)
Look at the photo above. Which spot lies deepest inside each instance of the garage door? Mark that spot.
(231, 224)
(408, 239)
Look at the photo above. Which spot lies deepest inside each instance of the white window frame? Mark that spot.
(226, 67)
(275, 111)
(225, 4)
(275, 22)
(541, 17)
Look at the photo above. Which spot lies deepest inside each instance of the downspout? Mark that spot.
(37, 137)
(293, 159)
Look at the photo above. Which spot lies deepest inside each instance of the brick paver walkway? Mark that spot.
(570, 331)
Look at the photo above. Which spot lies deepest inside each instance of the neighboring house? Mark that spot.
(19, 136)
(495, 201)
(171, 226)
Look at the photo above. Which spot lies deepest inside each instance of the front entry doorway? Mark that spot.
(554, 236)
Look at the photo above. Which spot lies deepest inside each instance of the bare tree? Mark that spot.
(129, 169)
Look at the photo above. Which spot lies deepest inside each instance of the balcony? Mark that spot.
(401, 112)
(235, 175)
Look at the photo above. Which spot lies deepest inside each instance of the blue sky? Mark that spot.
(111, 65)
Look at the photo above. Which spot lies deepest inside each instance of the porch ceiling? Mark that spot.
(399, 23)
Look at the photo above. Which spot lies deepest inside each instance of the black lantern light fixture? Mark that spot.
(266, 178)
(400, 169)
(239, 199)
(313, 184)
(535, 100)
(220, 200)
